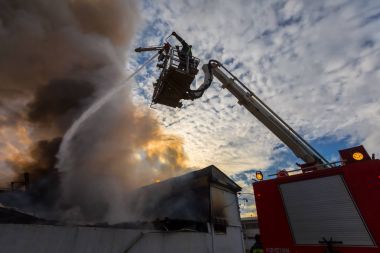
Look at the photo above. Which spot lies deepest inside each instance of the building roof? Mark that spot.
(218, 177)
(211, 174)
(11, 215)
(186, 197)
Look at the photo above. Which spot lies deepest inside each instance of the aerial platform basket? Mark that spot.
(178, 72)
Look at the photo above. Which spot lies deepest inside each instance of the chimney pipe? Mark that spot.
(26, 181)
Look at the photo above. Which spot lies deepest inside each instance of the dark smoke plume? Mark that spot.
(43, 159)
(56, 58)
(53, 103)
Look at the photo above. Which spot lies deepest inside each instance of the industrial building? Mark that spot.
(197, 212)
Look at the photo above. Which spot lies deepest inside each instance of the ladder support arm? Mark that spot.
(265, 115)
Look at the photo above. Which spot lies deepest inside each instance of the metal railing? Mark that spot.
(182, 62)
(332, 165)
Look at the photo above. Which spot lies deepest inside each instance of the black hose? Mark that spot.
(194, 94)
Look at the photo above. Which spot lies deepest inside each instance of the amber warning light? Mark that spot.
(259, 175)
(358, 156)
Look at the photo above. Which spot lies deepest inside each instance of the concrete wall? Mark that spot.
(225, 206)
(250, 229)
(46, 239)
(232, 241)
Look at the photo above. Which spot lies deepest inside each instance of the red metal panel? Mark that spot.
(364, 185)
(274, 228)
(347, 154)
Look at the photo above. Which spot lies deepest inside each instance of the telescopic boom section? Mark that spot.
(265, 115)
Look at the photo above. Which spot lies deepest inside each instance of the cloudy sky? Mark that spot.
(315, 63)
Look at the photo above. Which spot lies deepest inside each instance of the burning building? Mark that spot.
(195, 212)
(88, 155)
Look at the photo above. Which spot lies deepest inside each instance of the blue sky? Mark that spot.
(315, 63)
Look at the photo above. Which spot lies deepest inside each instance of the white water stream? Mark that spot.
(65, 145)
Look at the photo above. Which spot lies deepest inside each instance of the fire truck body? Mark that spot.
(341, 205)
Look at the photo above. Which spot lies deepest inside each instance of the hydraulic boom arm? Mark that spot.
(171, 95)
(261, 111)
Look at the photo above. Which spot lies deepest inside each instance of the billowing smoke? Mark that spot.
(55, 105)
(124, 148)
(56, 58)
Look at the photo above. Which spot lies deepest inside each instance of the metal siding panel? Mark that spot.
(225, 205)
(323, 207)
(17, 238)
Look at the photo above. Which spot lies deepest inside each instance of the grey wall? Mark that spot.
(46, 239)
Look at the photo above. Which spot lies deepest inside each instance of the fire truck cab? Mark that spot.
(323, 210)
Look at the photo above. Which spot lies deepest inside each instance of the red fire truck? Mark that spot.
(323, 210)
